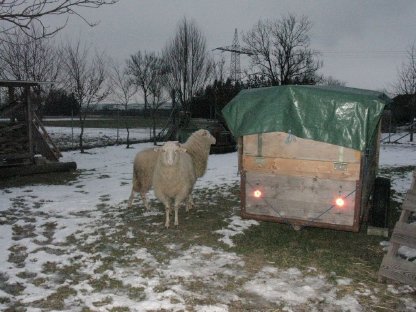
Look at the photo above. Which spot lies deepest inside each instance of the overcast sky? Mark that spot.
(363, 42)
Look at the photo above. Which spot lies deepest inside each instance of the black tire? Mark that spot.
(380, 203)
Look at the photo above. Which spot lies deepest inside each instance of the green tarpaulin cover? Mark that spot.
(338, 115)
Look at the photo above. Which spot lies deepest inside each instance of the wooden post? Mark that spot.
(413, 115)
(240, 154)
(11, 100)
(29, 122)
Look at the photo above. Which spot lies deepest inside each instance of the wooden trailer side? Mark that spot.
(299, 180)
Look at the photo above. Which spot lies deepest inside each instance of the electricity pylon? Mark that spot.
(236, 51)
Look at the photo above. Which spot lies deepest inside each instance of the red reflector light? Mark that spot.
(340, 202)
(257, 193)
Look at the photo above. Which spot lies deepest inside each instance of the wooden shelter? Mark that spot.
(394, 266)
(308, 155)
(23, 138)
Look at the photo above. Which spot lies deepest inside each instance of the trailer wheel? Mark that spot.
(380, 203)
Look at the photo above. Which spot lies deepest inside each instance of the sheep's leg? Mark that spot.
(145, 202)
(167, 211)
(176, 215)
(189, 203)
(131, 198)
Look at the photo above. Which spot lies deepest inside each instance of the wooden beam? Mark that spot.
(301, 167)
(29, 120)
(276, 144)
(398, 269)
(36, 169)
(306, 199)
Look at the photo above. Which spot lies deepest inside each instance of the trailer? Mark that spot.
(308, 155)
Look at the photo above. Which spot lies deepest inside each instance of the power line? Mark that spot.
(365, 54)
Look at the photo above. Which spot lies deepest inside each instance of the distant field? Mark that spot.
(106, 122)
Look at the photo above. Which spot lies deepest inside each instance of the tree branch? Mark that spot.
(24, 15)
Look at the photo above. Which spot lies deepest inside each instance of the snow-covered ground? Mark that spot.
(39, 222)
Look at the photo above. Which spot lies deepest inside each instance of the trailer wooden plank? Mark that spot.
(404, 234)
(398, 269)
(293, 211)
(281, 145)
(306, 168)
(411, 207)
(302, 198)
(411, 198)
(408, 207)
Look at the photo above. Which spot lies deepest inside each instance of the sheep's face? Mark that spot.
(170, 152)
(207, 135)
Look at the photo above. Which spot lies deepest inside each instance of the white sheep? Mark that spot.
(198, 146)
(143, 167)
(174, 177)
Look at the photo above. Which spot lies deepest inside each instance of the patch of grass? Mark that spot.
(56, 301)
(106, 282)
(23, 231)
(103, 302)
(120, 309)
(18, 255)
(50, 267)
(327, 250)
(136, 293)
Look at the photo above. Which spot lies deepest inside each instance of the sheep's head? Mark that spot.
(170, 152)
(206, 135)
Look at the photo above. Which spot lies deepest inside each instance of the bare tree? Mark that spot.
(24, 58)
(24, 15)
(330, 81)
(281, 50)
(188, 64)
(85, 78)
(123, 90)
(148, 71)
(406, 83)
(219, 72)
(141, 66)
(157, 92)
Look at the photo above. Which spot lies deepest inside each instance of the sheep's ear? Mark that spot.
(182, 149)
